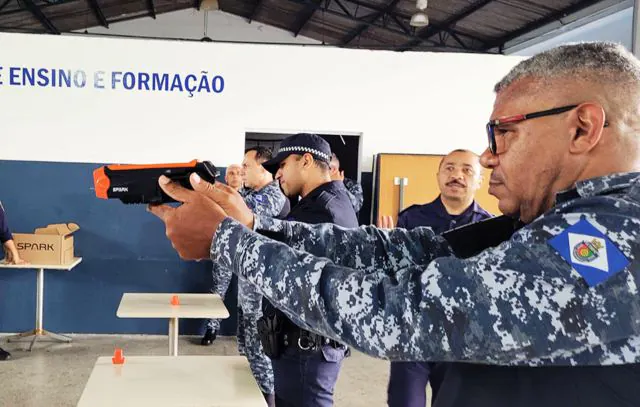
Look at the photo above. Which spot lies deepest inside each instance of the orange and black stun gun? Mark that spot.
(138, 184)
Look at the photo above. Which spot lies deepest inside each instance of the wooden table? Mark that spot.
(39, 332)
(156, 305)
(159, 381)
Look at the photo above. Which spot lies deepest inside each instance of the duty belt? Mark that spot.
(307, 341)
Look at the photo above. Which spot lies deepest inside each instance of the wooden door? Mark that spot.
(420, 171)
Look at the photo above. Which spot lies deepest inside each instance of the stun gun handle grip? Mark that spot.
(138, 184)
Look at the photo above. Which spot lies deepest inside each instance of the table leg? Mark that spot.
(39, 333)
(173, 336)
(40, 301)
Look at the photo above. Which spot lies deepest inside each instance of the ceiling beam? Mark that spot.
(362, 28)
(401, 24)
(37, 13)
(305, 16)
(447, 24)
(3, 5)
(152, 8)
(346, 11)
(98, 12)
(500, 42)
(359, 20)
(408, 18)
(256, 10)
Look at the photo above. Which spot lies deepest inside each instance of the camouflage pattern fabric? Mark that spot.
(356, 196)
(267, 201)
(403, 295)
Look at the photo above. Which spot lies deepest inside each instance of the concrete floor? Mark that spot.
(54, 375)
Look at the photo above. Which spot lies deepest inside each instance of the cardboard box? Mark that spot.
(52, 244)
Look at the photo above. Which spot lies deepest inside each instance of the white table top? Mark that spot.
(159, 381)
(158, 305)
(68, 266)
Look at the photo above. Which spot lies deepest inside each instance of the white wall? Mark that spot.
(189, 24)
(616, 27)
(399, 102)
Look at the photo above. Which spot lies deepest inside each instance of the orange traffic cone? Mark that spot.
(118, 358)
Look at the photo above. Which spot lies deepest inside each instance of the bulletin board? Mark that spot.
(422, 187)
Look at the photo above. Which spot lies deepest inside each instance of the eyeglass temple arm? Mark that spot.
(554, 111)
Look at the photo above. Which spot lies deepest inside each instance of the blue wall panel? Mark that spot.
(124, 249)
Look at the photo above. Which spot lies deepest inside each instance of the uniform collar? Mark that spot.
(327, 186)
(273, 184)
(476, 208)
(599, 186)
(441, 211)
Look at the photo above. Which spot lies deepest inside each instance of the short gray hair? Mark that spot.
(597, 61)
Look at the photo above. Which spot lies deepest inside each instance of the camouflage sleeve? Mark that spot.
(386, 250)
(355, 194)
(267, 202)
(517, 303)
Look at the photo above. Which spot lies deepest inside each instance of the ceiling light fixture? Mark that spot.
(420, 19)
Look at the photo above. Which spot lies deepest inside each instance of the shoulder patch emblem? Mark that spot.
(591, 253)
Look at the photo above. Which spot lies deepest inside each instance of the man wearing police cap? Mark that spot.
(305, 365)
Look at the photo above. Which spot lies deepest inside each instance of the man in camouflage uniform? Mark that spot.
(546, 316)
(264, 196)
(222, 277)
(354, 189)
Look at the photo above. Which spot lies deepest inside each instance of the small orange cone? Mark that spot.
(175, 300)
(118, 358)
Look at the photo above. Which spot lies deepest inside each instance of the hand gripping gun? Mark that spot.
(138, 184)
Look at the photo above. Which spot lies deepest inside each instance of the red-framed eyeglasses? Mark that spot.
(521, 117)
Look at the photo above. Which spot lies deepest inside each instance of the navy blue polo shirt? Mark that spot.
(328, 203)
(5, 233)
(435, 216)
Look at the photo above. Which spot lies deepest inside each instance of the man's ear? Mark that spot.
(307, 160)
(589, 124)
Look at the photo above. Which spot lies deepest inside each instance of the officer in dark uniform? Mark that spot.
(11, 257)
(459, 177)
(305, 365)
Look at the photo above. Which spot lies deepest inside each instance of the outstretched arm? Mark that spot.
(517, 303)
(382, 249)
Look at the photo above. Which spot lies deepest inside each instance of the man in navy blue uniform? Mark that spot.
(307, 369)
(11, 256)
(459, 177)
